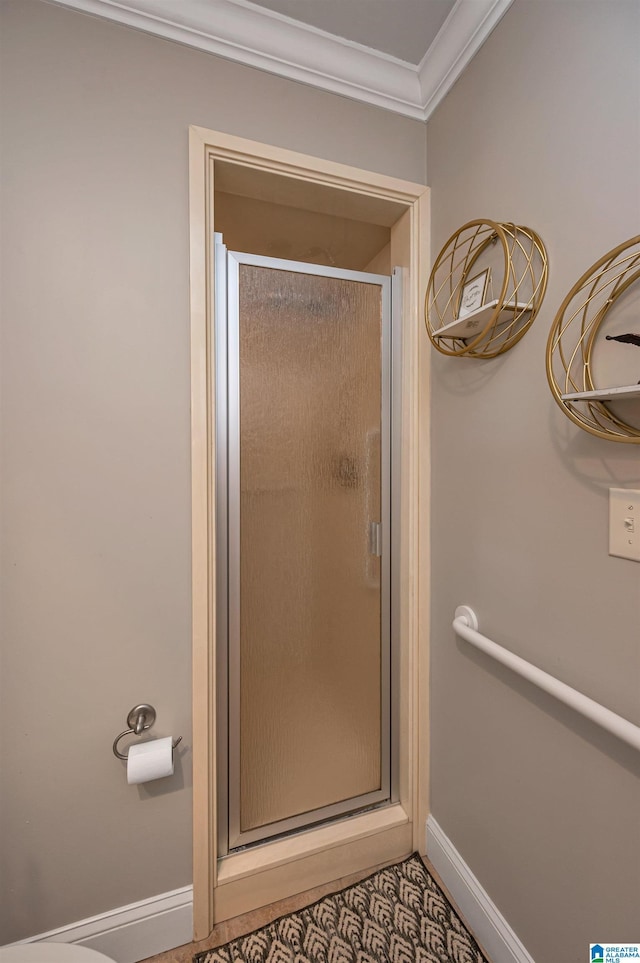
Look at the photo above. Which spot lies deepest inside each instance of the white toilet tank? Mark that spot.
(51, 953)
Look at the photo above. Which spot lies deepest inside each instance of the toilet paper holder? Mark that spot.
(140, 719)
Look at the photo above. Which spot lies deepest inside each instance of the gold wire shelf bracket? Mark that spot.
(597, 385)
(485, 289)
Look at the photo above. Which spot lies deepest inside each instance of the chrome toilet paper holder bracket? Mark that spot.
(140, 719)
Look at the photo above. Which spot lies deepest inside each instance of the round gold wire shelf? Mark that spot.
(601, 307)
(485, 289)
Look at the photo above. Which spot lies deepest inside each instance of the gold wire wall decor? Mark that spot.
(593, 361)
(485, 289)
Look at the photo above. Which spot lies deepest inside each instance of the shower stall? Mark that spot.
(303, 556)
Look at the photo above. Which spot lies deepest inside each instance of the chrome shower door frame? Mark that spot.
(227, 404)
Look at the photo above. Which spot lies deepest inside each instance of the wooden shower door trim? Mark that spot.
(246, 880)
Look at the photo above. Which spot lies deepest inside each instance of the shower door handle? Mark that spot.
(374, 529)
(375, 539)
(371, 507)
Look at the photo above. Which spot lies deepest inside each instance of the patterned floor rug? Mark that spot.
(398, 915)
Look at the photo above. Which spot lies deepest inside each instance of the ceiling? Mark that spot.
(401, 28)
(402, 55)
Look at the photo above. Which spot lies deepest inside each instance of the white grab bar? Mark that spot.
(465, 624)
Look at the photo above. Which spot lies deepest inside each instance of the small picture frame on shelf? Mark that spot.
(473, 293)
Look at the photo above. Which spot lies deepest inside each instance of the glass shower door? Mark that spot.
(307, 518)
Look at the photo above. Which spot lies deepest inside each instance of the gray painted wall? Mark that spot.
(96, 432)
(542, 129)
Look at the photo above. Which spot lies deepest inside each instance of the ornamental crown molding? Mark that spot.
(240, 31)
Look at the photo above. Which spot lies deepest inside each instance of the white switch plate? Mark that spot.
(624, 523)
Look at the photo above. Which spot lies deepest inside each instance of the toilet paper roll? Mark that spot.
(150, 760)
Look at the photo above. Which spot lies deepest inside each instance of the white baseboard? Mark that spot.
(131, 933)
(485, 920)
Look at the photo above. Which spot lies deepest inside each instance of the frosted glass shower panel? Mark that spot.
(310, 674)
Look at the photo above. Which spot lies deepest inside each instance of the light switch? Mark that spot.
(624, 523)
